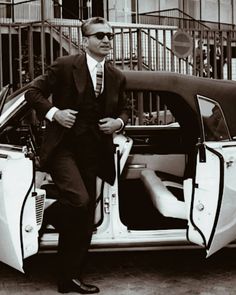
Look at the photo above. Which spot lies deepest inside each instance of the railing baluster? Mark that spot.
(140, 108)
(122, 48)
(139, 49)
(172, 60)
(31, 53)
(42, 42)
(149, 52)
(133, 114)
(70, 37)
(60, 43)
(229, 57)
(164, 51)
(207, 64)
(157, 109)
(1, 57)
(130, 49)
(10, 56)
(20, 56)
(157, 50)
(51, 45)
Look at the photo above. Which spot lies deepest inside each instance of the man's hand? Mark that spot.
(66, 118)
(109, 125)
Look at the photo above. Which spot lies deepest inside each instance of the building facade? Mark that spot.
(33, 33)
(216, 11)
(128, 11)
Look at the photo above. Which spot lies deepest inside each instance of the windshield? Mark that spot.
(12, 104)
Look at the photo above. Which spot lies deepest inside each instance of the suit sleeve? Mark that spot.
(41, 88)
(124, 103)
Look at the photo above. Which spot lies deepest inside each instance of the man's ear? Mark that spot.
(85, 41)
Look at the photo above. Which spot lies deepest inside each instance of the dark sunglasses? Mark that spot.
(101, 35)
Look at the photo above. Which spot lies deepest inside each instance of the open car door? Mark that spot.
(211, 195)
(21, 207)
(21, 204)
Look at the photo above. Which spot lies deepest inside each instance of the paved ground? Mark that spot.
(135, 273)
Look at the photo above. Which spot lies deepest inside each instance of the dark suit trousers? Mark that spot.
(73, 168)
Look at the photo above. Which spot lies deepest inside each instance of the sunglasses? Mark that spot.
(101, 35)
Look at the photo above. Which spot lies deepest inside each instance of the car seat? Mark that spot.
(162, 198)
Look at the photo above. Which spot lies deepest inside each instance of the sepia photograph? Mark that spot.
(118, 147)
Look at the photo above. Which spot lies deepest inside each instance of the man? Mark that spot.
(88, 105)
(218, 58)
(201, 57)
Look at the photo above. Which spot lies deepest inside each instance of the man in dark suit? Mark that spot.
(88, 105)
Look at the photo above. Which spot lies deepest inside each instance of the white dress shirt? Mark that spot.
(92, 66)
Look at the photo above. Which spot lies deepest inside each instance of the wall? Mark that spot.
(120, 10)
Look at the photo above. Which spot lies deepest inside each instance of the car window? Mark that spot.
(214, 124)
(149, 109)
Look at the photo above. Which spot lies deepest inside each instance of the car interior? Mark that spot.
(151, 185)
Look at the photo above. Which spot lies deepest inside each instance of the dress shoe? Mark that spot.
(76, 285)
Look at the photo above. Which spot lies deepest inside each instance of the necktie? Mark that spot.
(98, 79)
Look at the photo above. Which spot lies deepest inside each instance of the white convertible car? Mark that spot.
(175, 184)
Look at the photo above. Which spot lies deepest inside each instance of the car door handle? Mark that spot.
(202, 152)
(144, 140)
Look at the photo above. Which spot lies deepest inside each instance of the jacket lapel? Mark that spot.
(80, 72)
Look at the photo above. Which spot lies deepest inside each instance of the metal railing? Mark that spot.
(148, 108)
(30, 41)
(27, 49)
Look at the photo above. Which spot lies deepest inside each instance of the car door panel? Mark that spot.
(173, 164)
(161, 139)
(225, 229)
(21, 207)
(206, 196)
(212, 204)
(160, 148)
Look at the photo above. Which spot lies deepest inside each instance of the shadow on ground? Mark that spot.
(133, 273)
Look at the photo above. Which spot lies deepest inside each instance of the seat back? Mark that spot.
(163, 200)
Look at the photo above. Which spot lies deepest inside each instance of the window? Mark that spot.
(210, 10)
(225, 11)
(213, 121)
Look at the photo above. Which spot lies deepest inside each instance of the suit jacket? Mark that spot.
(64, 86)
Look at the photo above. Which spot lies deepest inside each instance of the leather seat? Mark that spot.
(163, 200)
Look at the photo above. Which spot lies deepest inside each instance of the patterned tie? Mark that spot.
(98, 79)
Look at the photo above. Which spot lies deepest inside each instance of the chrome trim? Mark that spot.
(137, 166)
(12, 148)
(152, 127)
(39, 206)
(12, 109)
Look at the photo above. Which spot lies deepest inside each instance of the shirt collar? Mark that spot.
(91, 62)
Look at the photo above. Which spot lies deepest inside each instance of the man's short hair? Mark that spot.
(91, 21)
